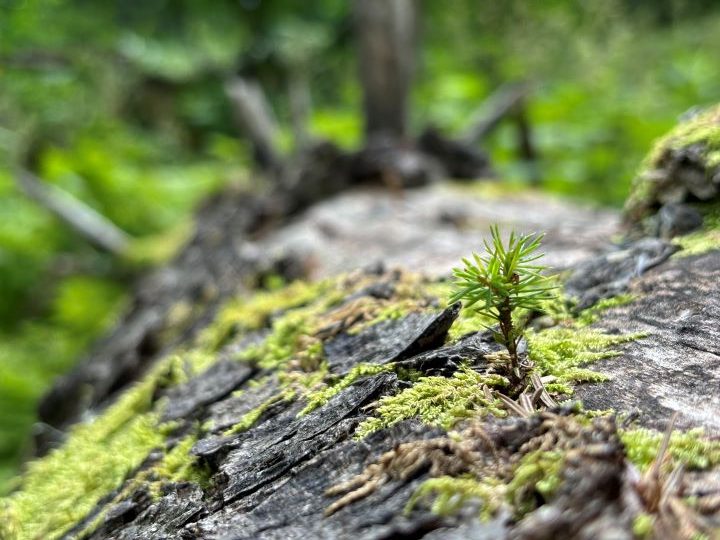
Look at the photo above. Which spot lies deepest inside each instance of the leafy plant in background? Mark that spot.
(500, 285)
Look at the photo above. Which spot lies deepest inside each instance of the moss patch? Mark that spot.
(250, 418)
(691, 448)
(319, 398)
(447, 495)
(176, 465)
(293, 335)
(468, 321)
(291, 385)
(593, 313)
(561, 352)
(537, 471)
(246, 314)
(59, 490)
(702, 131)
(179, 465)
(704, 240)
(438, 401)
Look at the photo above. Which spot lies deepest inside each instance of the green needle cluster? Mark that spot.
(502, 283)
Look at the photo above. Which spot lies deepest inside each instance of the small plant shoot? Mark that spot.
(502, 284)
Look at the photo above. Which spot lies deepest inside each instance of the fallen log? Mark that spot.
(361, 405)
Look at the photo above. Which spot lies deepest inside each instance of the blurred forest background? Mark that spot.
(121, 104)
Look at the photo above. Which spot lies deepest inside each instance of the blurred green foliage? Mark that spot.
(121, 104)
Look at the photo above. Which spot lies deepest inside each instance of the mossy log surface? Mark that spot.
(362, 406)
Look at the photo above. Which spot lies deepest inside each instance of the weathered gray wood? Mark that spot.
(676, 368)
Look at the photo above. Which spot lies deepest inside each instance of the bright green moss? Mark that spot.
(246, 314)
(438, 401)
(643, 525)
(176, 465)
(291, 384)
(592, 314)
(292, 335)
(250, 418)
(689, 447)
(704, 240)
(703, 130)
(561, 351)
(319, 398)
(468, 321)
(59, 490)
(449, 494)
(538, 471)
(440, 289)
(179, 465)
(698, 242)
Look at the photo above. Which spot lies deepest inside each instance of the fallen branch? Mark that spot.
(254, 118)
(84, 220)
(502, 103)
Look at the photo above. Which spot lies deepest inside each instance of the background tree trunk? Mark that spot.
(385, 31)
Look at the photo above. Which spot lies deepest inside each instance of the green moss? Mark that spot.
(59, 490)
(292, 334)
(643, 525)
(179, 465)
(250, 418)
(412, 292)
(393, 311)
(291, 384)
(689, 447)
(449, 494)
(592, 314)
(176, 465)
(698, 242)
(536, 472)
(181, 366)
(702, 130)
(438, 401)
(246, 314)
(704, 240)
(468, 321)
(320, 397)
(560, 352)
(440, 289)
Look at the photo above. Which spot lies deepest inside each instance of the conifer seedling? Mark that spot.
(503, 283)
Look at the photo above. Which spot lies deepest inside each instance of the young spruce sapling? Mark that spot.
(501, 285)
